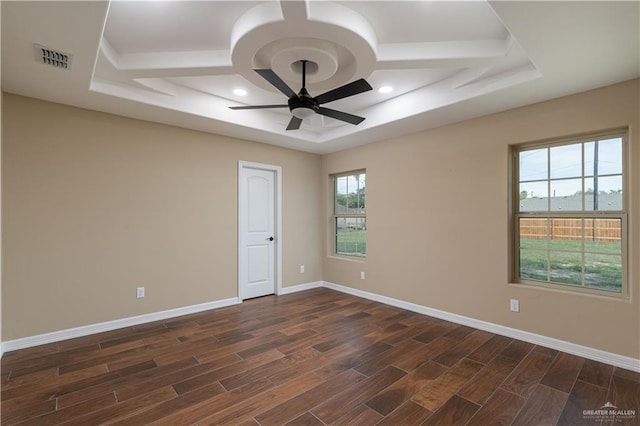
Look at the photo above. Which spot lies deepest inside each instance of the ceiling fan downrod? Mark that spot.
(303, 105)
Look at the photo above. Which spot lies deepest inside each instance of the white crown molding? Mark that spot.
(537, 339)
(56, 336)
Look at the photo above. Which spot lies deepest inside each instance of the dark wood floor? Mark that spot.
(311, 358)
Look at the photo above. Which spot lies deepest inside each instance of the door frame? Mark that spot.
(242, 259)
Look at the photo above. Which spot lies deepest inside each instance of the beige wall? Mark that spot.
(96, 205)
(427, 193)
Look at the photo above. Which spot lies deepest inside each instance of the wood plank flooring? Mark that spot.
(317, 357)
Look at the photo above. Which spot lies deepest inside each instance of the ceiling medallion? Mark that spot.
(338, 43)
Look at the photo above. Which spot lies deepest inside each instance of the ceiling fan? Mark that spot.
(303, 105)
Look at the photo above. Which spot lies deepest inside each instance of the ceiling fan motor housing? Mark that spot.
(303, 100)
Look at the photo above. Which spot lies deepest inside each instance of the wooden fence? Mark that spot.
(609, 230)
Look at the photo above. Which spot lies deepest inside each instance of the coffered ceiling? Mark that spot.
(185, 63)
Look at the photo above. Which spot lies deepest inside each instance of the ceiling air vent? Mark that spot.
(55, 58)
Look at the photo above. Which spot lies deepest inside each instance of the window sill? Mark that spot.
(577, 291)
(353, 259)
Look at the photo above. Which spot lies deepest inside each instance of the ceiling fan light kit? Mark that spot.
(303, 112)
(302, 105)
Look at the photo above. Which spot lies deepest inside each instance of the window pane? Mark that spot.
(609, 194)
(341, 194)
(533, 229)
(566, 195)
(588, 194)
(565, 255)
(533, 248)
(565, 267)
(350, 194)
(610, 156)
(533, 165)
(566, 234)
(351, 236)
(534, 197)
(607, 197)
(603, 236)
(603, 272)
(609, 153)
(533, 264)
(566, 161)
(360, 192)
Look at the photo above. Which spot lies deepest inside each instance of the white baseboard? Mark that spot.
(301, 287)
(56, 336)
(549, 342)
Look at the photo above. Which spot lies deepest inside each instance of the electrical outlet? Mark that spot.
(362, 276)
(139, 292)
(302, 269)
(515, 305)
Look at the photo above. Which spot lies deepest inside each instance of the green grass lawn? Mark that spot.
(563, 263)
(352, 242)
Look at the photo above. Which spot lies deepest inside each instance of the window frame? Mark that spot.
(335, 215)
(622, 215)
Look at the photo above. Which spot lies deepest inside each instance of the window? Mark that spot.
(570, 214)
(350, 220)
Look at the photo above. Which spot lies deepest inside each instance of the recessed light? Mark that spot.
(240, 92)
(385, 89)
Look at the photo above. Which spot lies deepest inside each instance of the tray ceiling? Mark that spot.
(181, 62)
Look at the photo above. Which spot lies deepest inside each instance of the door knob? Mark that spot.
(270, 238)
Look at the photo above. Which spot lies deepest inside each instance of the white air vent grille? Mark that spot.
(55, 58)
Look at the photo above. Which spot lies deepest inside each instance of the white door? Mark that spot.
(258, 236)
